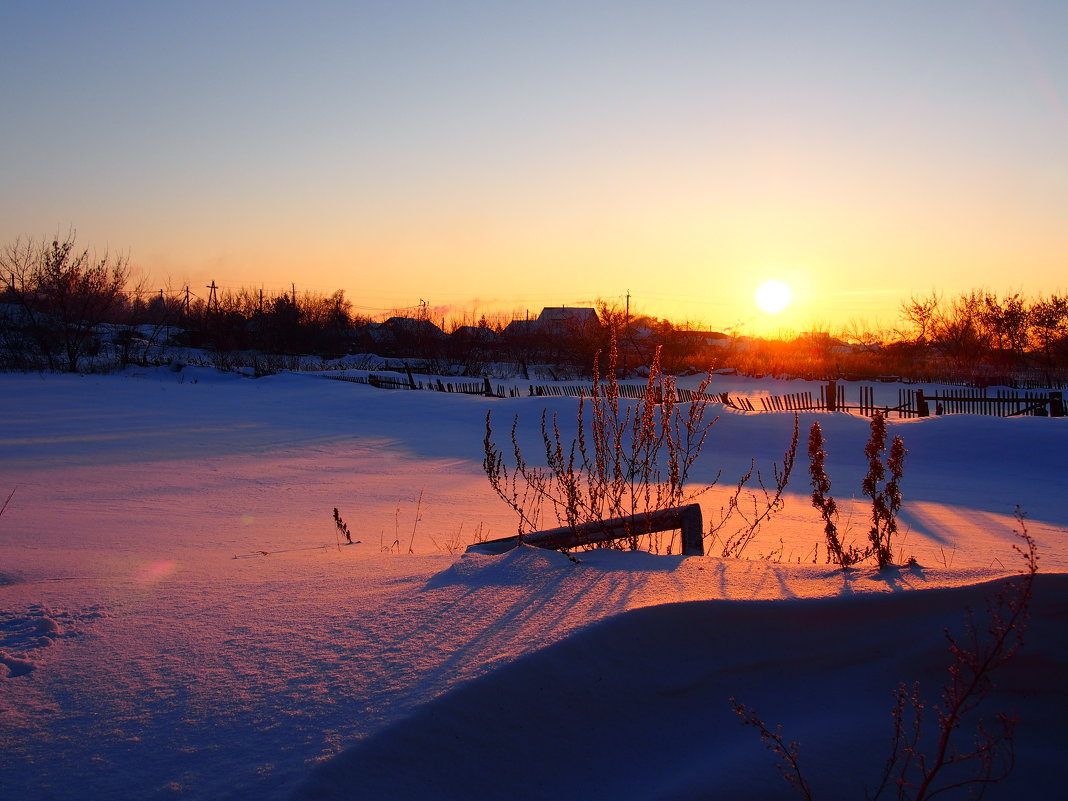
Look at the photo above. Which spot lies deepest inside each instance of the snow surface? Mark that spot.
(179, 620)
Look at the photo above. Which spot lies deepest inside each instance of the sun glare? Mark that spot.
(773, 296)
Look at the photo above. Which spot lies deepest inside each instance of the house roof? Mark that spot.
(570, 315)
(409, 325)
(521, 328)
(475, 333)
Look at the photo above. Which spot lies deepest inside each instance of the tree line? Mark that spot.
(65, 308)
(1009, 332)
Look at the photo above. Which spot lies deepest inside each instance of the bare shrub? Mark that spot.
(914, 772)
(822, 500)
(976, 654)
(885, 493)
(627, 458)
(64, 295)
(789, 764)
(759, 505)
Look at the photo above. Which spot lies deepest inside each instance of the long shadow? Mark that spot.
(896, 579)
(660, 676)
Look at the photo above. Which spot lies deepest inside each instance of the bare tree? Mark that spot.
(959, 332)
(1048, 318)
(920, 314)
(64, 294)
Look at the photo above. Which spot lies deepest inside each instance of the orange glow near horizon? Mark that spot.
(861, 158)
(696, 288)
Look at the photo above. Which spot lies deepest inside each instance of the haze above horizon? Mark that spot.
(481, 155)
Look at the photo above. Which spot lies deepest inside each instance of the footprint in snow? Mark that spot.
(22, 634)
(12, 666)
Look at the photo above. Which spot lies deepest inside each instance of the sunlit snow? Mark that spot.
(180, 619)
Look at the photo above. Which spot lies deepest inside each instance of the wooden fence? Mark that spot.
(914, 403)
(831, 397)
(1004, 403)
(462, 387)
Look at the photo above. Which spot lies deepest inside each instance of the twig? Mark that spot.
(8, 500)
(789, 767)
(415, 525)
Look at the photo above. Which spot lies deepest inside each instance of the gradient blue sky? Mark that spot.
(506, 155)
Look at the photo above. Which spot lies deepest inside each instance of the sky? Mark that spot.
(488, 156)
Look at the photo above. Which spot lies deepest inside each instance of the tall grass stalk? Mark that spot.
(7, 500)
(341, 527)
(415, 523)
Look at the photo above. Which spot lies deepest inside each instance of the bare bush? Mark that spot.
(64, 294)
(627, 458)
(914, 772)
(843, 555)
(752, 507)
(885, 493)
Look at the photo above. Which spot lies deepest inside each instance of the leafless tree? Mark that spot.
(64, 294)
(920, 313)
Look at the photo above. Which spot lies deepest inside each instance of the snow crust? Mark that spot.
(178, 618)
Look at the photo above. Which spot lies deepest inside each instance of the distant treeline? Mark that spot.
(62, 308)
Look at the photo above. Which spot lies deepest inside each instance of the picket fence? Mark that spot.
(831, 397)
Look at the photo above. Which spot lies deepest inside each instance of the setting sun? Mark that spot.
(773, 296)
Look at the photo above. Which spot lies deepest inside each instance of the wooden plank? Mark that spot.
(687, 519)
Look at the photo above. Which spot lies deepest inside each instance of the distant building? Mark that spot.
(474, 333)
(411, 327)
(557, 320)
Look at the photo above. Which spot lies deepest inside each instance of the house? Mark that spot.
(474, 333)
(567, 320)
(410, 327)
(521, 329)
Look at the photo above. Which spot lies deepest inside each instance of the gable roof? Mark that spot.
(568, 315)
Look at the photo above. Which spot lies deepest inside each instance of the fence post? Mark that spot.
(1056, 404)
(832, 396)
(922, 409)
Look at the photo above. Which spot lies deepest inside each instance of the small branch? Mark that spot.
(789, 767)
(8, 500)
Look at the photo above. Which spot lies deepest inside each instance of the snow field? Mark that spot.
(178, 619)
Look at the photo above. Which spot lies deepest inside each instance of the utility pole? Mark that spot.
(213, 299)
